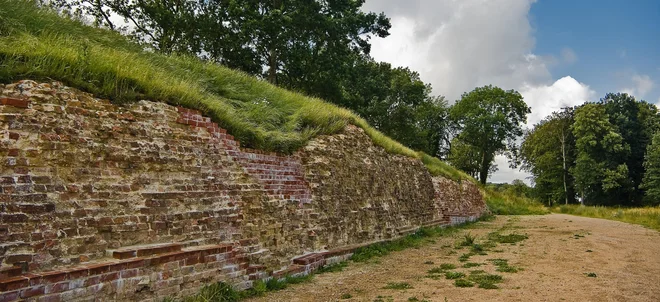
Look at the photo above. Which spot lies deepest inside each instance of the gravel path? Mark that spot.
(556, 258)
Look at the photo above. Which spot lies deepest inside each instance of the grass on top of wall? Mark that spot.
(38, 44)
(647, 216)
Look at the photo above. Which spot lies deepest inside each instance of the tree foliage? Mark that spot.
(651, 179)
(547, 152)
(490, 120)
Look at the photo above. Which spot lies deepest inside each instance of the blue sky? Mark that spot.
(556, 53)
(612, 40)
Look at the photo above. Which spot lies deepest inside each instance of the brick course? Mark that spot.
(150, 200)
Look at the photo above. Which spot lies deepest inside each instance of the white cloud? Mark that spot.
(459, 45)
(544, 99)
(641, 85)
(568, 55)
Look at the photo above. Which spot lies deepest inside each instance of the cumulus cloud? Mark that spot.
(459, 45)
(545, 99)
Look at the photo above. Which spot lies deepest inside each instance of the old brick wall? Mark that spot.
(150, 200)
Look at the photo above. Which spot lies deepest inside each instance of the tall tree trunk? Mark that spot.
(272, 67)
(563, 157)
(483, 171)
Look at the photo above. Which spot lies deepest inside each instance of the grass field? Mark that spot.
(648, 217)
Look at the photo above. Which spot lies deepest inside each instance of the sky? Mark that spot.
(556, 53)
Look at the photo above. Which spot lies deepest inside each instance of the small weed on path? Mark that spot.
(468, 240)
(414, 299)
(592, 275)
(503, 266)
(471, 264)
(510, 238)
(454, 275)
(333, 268)
(463, 283)
(465, 257)
(398, 285)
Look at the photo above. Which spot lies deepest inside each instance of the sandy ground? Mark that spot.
(625, 258)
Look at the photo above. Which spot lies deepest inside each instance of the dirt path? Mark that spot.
(555, 263)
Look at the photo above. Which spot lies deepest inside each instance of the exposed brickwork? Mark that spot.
(150, 200)
(461, 201)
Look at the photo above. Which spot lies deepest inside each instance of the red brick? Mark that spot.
(130, 273)
(135, 263)
(78, 273)
(98, 269)
(52, 277)
(14, 283)
(92, 281)
(109, 277)
(20, 103)
(11, 259)
(33, 291)
(9, 296)
(123, 254)
(57, 287)
(14, 135)
(9, 272)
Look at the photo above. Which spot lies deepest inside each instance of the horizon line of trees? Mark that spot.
(607, 152)
(599, 153)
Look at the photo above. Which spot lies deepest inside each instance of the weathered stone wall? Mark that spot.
(149, 200)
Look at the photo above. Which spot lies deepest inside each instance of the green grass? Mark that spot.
(38, 44)
(509, 238)
(648, 216)
(463, 283)
(465, 257)
(416, 239)
(468, 240)
(332, 268)
(223, 292)
(454, 275)
(508, 204)
(502, 265)
(471, 264)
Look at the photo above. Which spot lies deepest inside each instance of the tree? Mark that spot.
(651, 179)
(305, 45)
(600, 177)
(397, 102)
(466, 157)
(547, 152)
(490, 120)
(636, 121)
